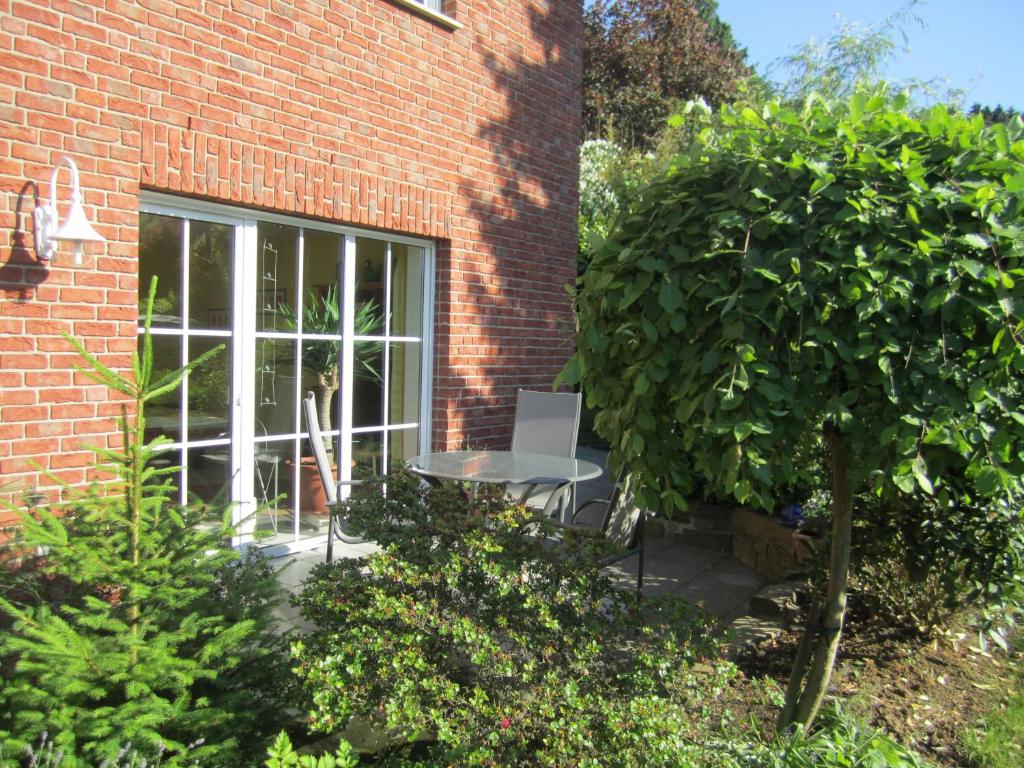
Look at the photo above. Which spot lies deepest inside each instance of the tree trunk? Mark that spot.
(826, 633)
(133, 443)
(800, 664)
(324, 390)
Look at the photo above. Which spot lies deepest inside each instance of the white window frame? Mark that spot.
(432, 9)
(243, 334)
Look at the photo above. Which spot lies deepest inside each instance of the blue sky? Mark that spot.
(975, 45)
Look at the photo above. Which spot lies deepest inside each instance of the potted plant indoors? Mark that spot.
(321, 314)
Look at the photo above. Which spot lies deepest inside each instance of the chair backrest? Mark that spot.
(546, 422)
(620, 524)
(316, 440)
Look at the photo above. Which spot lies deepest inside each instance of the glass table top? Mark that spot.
(504, 467)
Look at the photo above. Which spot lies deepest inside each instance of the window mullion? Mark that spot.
(427, 349)
(300, 256)
(186, 236)
(348, 329)
(243, 389)
(386, 358)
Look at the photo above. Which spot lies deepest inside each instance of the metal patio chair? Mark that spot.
(546, 423)
(332, 488)
(622, 522)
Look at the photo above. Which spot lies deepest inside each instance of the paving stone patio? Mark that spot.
(722, 584)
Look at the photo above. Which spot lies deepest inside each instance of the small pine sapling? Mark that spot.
(131, 624)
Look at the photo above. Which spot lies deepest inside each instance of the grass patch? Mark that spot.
(999, 742)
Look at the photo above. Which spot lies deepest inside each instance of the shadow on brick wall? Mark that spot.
(20, 272)
(527, 220)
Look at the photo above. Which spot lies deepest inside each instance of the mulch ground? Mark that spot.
(927, 693)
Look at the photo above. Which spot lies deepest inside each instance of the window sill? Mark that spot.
(422, 10)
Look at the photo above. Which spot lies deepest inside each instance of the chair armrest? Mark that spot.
(585, 531)
(339, 484)
(348, 483)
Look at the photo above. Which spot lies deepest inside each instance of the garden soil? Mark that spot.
(928, 694)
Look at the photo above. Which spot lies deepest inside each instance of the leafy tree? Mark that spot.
(135, 625)
(854, 56)
(847, 270)
(642, 57)
(991, 115)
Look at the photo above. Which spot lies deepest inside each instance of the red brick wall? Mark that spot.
(357, 111)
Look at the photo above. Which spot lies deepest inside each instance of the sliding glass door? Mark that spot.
(301, 308)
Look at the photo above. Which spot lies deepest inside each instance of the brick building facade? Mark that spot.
(421, 142)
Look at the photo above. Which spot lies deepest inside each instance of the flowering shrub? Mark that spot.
(489, 646)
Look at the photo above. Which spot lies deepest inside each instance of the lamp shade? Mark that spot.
(76, 226)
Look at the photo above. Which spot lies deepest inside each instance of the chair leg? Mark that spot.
(642, 541)
(330, 535)
(640, 573)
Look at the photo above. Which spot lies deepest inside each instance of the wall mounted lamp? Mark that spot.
(76, 229)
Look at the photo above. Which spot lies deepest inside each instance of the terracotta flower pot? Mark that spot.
(312, 497)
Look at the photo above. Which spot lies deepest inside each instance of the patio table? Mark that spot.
(507, 468)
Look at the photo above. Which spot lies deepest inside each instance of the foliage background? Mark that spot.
(642, 57)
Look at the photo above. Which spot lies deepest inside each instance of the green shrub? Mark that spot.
(132, 625)
(45, 754)
(468, 642)
(837, 741)
(281, 754)
(923, 565)
(609, 176)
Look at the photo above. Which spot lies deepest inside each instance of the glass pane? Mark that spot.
(160, 240)
(406, 290)
(321, 266)
(209, 472)
(366, 453)
(272, 478)
(209, 390)
(371, 256)
(163, 414)
(368, 387)
(209, 268)
(404, 383)
(312, 506)
(369, 319)
(275, 387)
(276, 296)
(320, 375)
(403, 444)
(170, 460)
